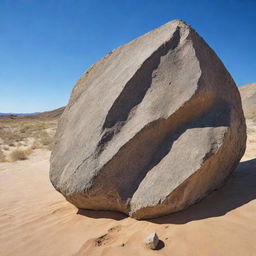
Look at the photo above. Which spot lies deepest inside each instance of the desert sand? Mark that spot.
(37, 220)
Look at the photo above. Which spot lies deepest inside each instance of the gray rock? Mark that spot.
(151, 128)
(152, 241)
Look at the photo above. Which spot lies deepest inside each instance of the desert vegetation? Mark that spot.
(19, 137)
(19, 154)
(253, 117)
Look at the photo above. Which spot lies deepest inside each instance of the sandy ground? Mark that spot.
(36, 220)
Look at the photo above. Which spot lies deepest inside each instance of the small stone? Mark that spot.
(152, 241)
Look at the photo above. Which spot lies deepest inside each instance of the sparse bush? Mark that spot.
(19, 154)
(25, 129)
(19, 132)
(35, 145)
(50, 146)
(250, 130)
(2, 156)
(46, 139)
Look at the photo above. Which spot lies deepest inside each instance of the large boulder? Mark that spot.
(151, 128)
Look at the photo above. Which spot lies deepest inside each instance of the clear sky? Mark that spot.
(45, 45)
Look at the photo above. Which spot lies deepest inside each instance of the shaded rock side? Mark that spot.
(151, 128)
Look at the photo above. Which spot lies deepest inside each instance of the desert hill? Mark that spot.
(47, 115)
(54, 114)
(248, 96)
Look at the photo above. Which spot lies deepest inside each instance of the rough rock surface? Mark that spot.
(151, 128)
(152, 241)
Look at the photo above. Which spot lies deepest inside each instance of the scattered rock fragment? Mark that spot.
(152, 241)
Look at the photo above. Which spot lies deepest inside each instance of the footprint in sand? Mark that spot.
(115, 229)
(108, 238)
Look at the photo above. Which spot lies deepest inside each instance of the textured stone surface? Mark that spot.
(151, 128)
(152, 241)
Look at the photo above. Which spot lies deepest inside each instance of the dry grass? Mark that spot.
(45, 138)
(19, 136)
(250, 130)
(253, 117)
(2, 156)
(19, 154)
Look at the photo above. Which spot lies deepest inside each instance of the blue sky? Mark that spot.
(46, 45)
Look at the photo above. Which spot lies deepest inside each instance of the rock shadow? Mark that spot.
(152, 144)
(134, 92)
(239, 190)
(160, 245)
(102, 214)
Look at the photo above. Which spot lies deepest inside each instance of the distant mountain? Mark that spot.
(248, 96)
(53, 114)
(48, 115)
(18, 114)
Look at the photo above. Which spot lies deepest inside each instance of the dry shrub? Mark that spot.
(250, 130)
(20, 154)
(25, 129)
(45, 139)
(35, 145)
(17, 132)
(50, 146)
(2, 156)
